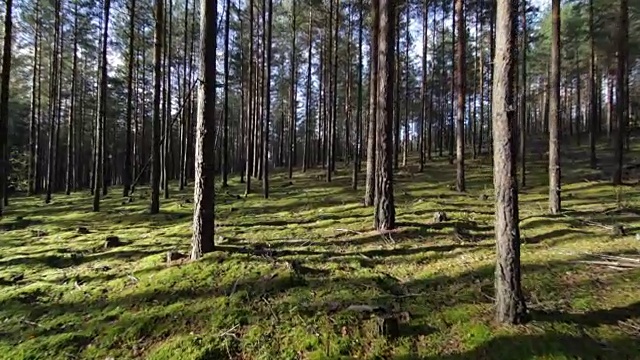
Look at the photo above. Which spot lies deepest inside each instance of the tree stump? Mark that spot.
(82, 230)
(439, 216)
(174, 255)
(388, 326)
(618, 230)
(112, 241)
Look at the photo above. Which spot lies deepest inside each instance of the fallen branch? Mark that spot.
(609, 263)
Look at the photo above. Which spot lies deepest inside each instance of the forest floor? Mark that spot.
(290, 273)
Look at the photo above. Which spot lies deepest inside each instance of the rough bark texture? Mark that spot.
(461, 90)
(358, 143)
(621, 113)
(157, 92)
(102, 111)
(4, 104)
(203, 192)
(370, 185)
(384, 204)
(554, 112)
(126, 176)
(593, 105)
(510, 307)
(267, 100)
(523, 98)
(34, 118)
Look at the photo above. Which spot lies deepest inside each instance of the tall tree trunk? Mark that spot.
(166, 156)
(384, 214)
(70, 181)
(34, 118)
(423, 90)
(523, 97)
(102, 110)
(251, 103)
(267, 99)
(293, 101)
(225, 125)
(481, 84)
(126, 179)
(156, 136)
(554, 112)
(4, 104)
(184, 125)
(593, 102)
(405, 148)
(204, 191)
(461, 87)
(621, 107)
(372, 148)
(307, 144)
(358, 141)
(53, 95)
(510, 306)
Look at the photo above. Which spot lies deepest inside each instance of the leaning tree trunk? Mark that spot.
(510, 307)
(554, 112)
(384, 214)
(204, 192)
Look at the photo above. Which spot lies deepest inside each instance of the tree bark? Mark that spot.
(461, 87)
(384, 213)
(621, 107)
(554, 112)
(593, 102)
(204, 192)
(4, 104)
(34, 118)
(157, 92)
(372, 148)
(510, 306)
(126, 179)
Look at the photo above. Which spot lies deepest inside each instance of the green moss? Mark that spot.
(64, 296)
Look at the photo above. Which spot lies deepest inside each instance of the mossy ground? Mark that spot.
(77, 300)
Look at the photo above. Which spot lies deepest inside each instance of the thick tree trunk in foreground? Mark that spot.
(204, 192)
(510, 307)
(384, 214)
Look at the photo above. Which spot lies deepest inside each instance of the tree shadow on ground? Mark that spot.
(548, 345)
